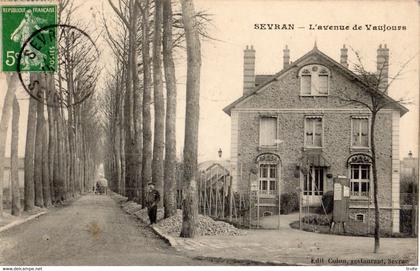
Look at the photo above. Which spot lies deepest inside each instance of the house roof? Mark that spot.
(208, 165)
(263, 80)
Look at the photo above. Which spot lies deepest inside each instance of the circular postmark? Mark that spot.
(67, 57)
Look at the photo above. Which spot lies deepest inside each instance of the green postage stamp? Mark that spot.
(28, 37)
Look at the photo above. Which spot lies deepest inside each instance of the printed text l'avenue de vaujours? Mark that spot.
(330, 27)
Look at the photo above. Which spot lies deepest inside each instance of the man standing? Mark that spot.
(153, 198)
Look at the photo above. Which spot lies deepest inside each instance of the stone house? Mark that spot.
(292, 131)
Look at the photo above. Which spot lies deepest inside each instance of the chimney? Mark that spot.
(410, 154)
(249, 69)
(286, 57)
(343, 56)
(382, 66)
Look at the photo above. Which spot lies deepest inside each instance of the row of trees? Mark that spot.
(62, 152)
(144, 39)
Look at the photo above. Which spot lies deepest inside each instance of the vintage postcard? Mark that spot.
(209, 133)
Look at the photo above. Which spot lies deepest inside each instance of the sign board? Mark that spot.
(341, 199)
(346, 191)
(337, 191)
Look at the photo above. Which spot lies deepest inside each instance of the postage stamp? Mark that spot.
(22, 32)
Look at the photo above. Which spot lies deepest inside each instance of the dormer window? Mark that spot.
(314, 80)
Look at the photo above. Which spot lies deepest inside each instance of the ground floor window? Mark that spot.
(268, 179)
(314, 181)
(360, 179)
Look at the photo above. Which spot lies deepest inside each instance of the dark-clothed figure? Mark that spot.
(153, 198)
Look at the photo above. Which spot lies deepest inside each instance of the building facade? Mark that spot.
(295, 131)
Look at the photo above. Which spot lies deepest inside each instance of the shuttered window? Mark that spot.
(306, 85)
(323, 84)
(313, 132)
(268, 131)
(360, 132)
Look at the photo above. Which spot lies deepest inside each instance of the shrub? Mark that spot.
(289, 202)
(328, 202)
(320, 220)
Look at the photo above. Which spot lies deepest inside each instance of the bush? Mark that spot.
(320, 220)
(328, 202)
(289, 202)
(406, 221)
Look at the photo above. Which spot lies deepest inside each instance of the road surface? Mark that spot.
(91, 231)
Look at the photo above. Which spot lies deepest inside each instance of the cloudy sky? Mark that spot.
(232, 28)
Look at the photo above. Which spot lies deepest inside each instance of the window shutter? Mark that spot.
(268, 131)
(318, 132)
(306, 85)
(309, 132)
(323, 84)
(356, 129)
(365, 134)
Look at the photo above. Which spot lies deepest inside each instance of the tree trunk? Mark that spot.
(170, 132)
(146, 172)
(375, 182)
(190, 204)
(29, 185)
(4, 124)
(122, 149)
(59, 185)
(52, 136)
(137, 104)
(39, 197)
(129, 110)
(159, 104)
(14, 159)
(46, 188)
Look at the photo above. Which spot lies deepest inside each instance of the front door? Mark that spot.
(313, 186)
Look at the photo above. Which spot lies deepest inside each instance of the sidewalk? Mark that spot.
(8, 221)
(290, 246)
(287, 246)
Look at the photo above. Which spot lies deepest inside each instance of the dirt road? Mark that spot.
(91, 231)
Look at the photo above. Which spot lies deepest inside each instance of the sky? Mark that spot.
(232, 28)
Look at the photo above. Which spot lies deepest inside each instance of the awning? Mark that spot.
(314, 159)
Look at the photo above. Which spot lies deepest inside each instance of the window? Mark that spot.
(359, 180)
(314, 80)
(313, 132)
(306, 84)
(268, 179)
(360, 217)
(323, 84)
(360, 132)
(268, 131)
(314, 182)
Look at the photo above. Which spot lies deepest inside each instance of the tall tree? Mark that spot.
(159, 104)
(52, 136)
(146, 172)
(190, 202)
(137, 104)
(4, 124)
(39, 134)
(14, 159)
(170, 125)
(29, 183)
(46, 188)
